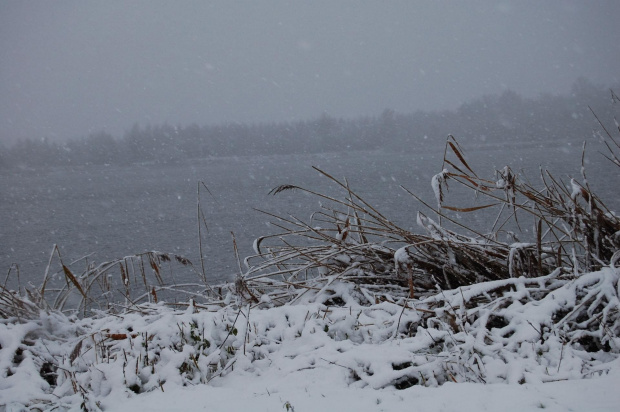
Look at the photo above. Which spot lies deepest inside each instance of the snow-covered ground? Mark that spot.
(326, 389)
(530, 348)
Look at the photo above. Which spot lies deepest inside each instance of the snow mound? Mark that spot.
(525, 331)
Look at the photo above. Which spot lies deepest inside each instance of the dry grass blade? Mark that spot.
(458, 154)
(12, 305)
(468, 209)
(47, 270)
(75, 352)
(69, 275)
(283, 188)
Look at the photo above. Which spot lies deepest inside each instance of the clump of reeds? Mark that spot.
(349, 240)
(113, 286)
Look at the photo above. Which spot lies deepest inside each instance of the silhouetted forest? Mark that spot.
(507, 119)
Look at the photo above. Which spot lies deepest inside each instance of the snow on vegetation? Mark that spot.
(516, 331)
(347, 311)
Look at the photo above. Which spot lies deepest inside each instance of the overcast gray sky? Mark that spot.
(68, 68)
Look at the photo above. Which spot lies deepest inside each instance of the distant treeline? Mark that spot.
(507, 118)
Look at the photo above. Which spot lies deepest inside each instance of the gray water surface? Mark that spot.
(111, 211)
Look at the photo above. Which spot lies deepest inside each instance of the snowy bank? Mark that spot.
(531, 334)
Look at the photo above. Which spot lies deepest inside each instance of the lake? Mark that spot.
(111, 211)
